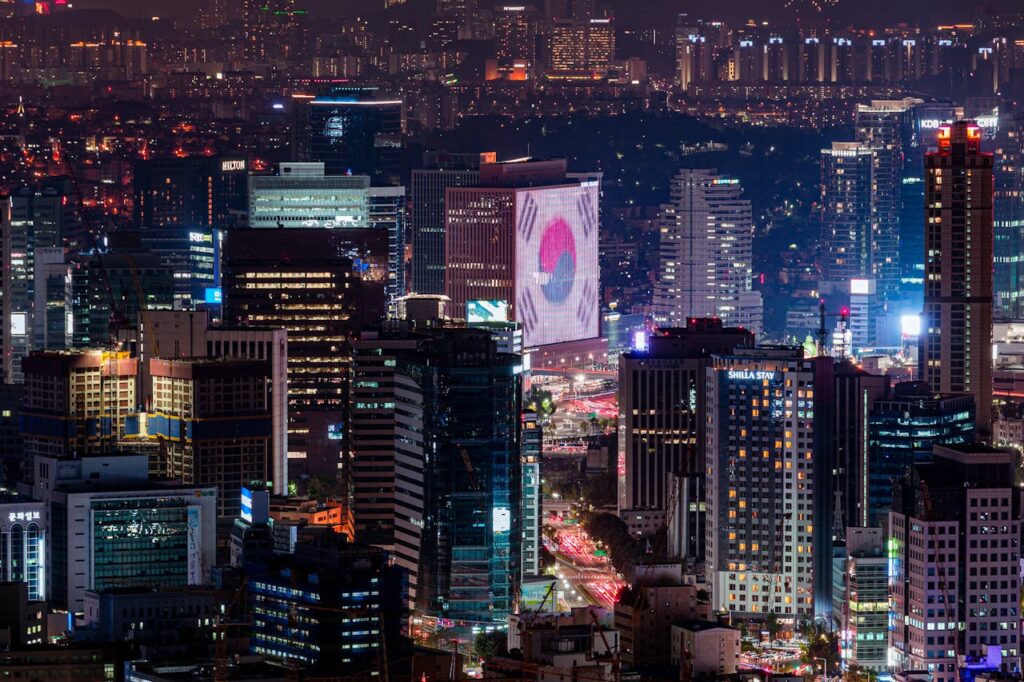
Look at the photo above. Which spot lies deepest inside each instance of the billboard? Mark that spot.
(557, 271)
(480, 310)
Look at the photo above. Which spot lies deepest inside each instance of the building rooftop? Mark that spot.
(694, 625)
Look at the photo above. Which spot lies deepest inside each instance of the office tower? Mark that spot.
(23, 541)
(760, 458)
(192, 256)
(440, 171)
(347, 598)
(886, 127)
(903, 429)
(389, 478)
(845, 395)
(194, 192)
(515, 36)
(693, 57)
(466, 457)
(662, 408)
(866, 312)
(75, 403)
(109, 292)
(954, 535)
(526, 236)
(706, 238)
(847, 220)
(1008, 219)
(211, 422)
(322, 287)
(352, 129)
(302, 195)
(31, 220)
(98, 506)
(861, 600)
(52, 300)
(956, 346)
(580, 49)
(172, 334)
(270, 29)
(532, 440)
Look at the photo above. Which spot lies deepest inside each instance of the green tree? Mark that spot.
(821, 642)
(489, 644)
(773, 626)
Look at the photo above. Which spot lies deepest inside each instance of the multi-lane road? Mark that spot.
(584, 579)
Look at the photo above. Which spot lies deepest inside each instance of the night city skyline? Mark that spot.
(550, 341)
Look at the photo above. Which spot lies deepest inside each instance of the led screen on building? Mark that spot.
(557, 272)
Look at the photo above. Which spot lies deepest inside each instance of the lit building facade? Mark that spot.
(902, 431)
(706, 264)
(532, 508)
(954, 556)
(527, 236)
(23, 544)
(1008, 220)
(847, 221)
(321, 286)
(302, 195)
(956, 344)
(440, 171)
(860, 599)
(194, 192)
(760, 456)
(662, 417)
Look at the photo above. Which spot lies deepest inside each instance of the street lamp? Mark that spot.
(824, 665)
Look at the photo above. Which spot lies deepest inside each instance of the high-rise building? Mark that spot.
(192, 256)
(75, 404)
(270, 29)
(440, 171)
(193, 192)
(302, 195)
(23, 539)
(662, 408)
(954, 555)
(321, 286)
(466, 459)
(903, 428)
(515, 36)
(527, 236)
(108, 527)
(1008, 219)
(212, 423)
(761, 484)
(847, 220)
(885, 126)
(860, 599)
(580, 49)
(33, 221)
(706, 263)
(347, 598)
(350, 130)
(956, 343)
(532, 442)
(172, 334)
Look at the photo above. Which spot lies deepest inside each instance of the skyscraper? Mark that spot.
(527, 236)
(303, 195)
(350, 130)
(885, 127)
(322, 286)
(192, 192)
(1008, 223)
(580, 49)
(847, 221)
(706, 267)
(956, 343)
(761, 484)
(954, 557)
(444, 419)
(662, 403)
(440, 171)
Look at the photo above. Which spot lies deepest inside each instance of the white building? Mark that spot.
(23, 542)
(706, 265)
(108, 526)
(760, 483)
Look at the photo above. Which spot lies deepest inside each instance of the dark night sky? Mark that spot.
(859, 11)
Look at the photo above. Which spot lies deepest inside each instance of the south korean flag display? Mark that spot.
(557, 271)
